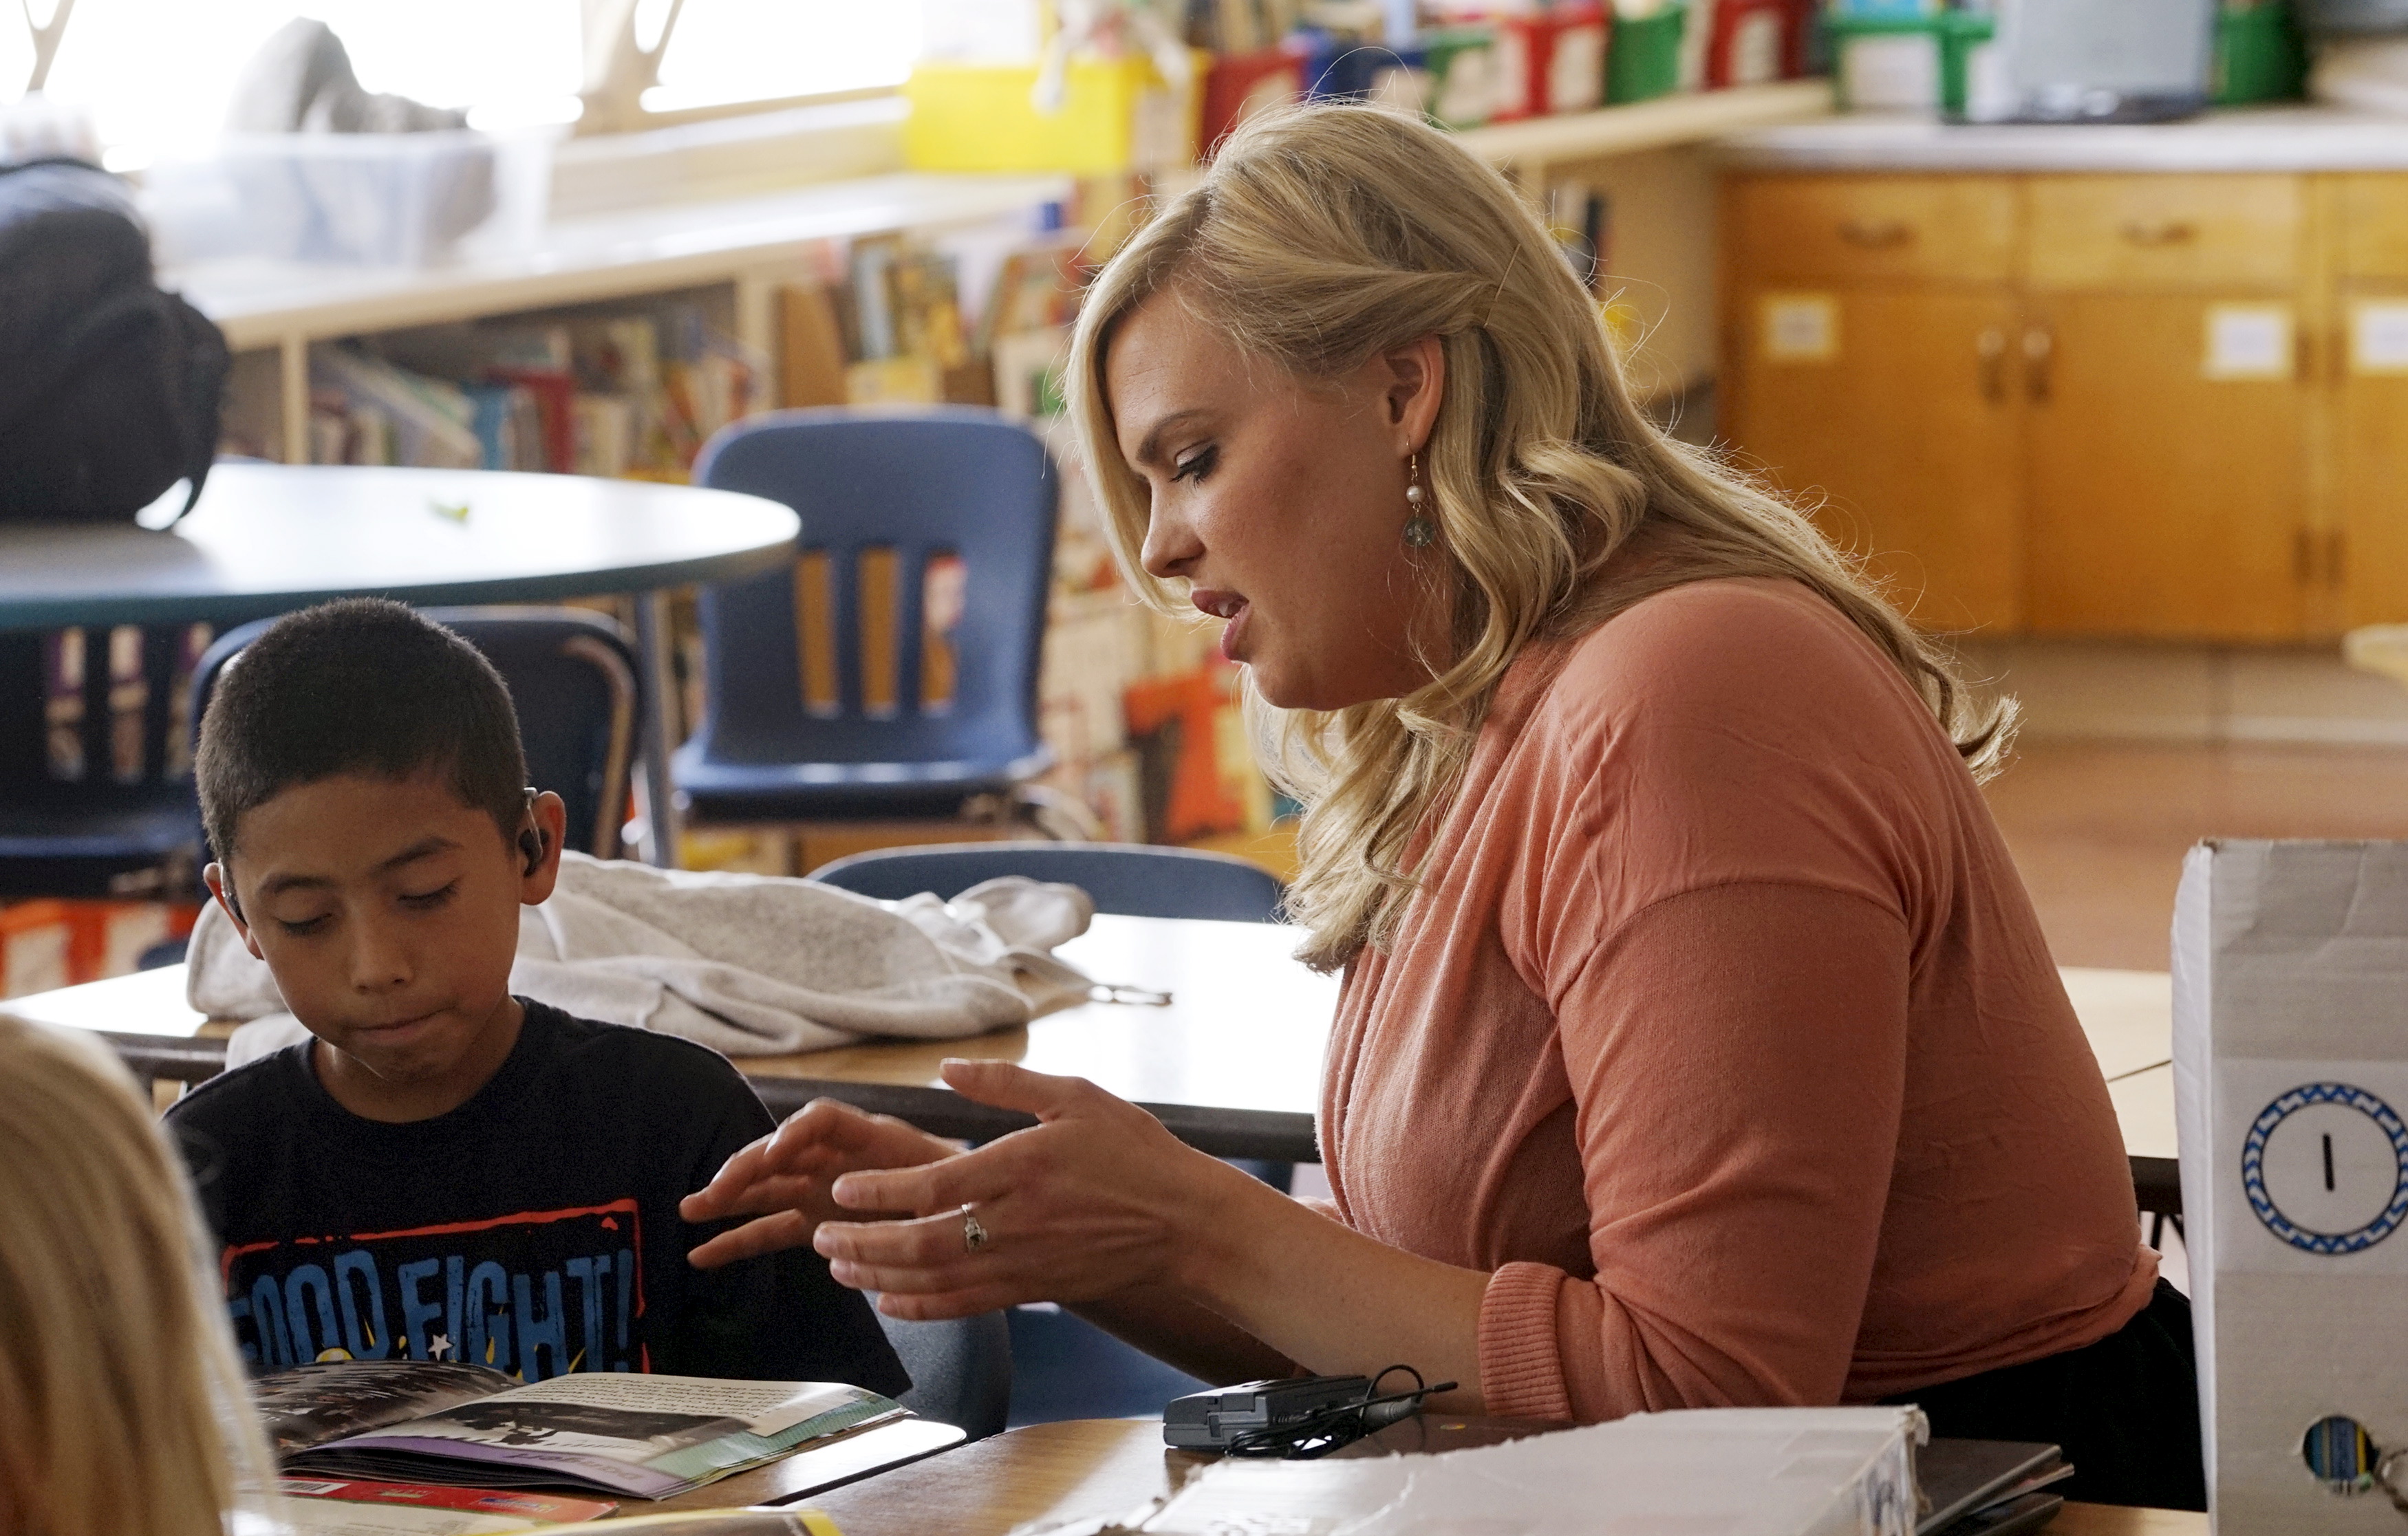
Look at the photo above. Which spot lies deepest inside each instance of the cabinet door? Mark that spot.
(2166, 466)
(2373, 440)
(1892, 412)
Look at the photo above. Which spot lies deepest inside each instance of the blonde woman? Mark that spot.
(1698, 1042)
(122, 1406)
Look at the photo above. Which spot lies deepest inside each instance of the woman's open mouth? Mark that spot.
(1227, 606)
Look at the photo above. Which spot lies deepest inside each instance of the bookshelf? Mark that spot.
(753, 244)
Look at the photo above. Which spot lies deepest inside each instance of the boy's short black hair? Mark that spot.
(362, 685)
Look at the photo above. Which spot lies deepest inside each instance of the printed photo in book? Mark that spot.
(424, 1421)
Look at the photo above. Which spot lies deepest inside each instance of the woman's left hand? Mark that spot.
(1094, 1199)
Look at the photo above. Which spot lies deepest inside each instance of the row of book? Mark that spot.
(626, 395)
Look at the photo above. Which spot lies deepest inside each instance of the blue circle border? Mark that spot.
(2253, 1168)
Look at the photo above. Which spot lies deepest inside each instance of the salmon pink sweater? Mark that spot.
(1722, 1033)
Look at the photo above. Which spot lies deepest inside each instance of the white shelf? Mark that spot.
(1663, 123)
(2260, 139)
(269, 304)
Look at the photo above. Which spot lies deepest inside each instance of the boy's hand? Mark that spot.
(787, 1173)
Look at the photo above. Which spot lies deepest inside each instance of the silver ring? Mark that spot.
(973, 1235)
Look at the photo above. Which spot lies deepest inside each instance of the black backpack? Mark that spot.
(109, 389)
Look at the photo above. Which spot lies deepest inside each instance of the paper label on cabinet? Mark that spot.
(2378, 336)
(2248, 341)
(1801, 327)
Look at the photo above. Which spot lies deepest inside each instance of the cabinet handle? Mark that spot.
(2336, 555)
(1991, 347)
(2303, 556)
(2039, 345)
(1887, 235)
(2169, 232)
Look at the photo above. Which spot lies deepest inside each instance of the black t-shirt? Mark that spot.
(534, 1228)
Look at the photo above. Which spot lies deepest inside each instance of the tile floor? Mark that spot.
(2099, 828)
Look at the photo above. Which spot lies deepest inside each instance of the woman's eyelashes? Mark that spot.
(1197, 464)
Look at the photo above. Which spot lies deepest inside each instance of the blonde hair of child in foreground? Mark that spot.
(122, 1406)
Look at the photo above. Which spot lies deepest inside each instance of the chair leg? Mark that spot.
(1060, 817)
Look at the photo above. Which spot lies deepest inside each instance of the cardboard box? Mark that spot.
(2291, 976)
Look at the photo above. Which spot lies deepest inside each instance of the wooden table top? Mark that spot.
(1098, 1467)
(1233, 1063)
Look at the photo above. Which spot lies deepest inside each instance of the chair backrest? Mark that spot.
(95, 715)
(961, 1370)
(1137, 880)
(909, 630)
(575, 684)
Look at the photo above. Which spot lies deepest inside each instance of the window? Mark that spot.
(157, 75)
(735, 51)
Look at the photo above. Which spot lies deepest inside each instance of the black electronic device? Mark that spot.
(1299, 1416)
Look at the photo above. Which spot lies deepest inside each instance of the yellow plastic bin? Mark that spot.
(1118, 115)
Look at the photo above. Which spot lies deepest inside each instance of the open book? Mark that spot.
(421, 1421)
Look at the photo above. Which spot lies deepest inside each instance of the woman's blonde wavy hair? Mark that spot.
(1325, 236)
(122, 1406)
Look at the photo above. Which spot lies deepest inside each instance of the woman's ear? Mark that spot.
(1414, 387)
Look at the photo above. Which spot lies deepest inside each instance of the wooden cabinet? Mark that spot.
(1902, 433)
(1870, 323)
(2161, 500)
(2179, 437)
(2366, 551)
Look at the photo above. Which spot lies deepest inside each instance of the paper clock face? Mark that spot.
(2325, 1167)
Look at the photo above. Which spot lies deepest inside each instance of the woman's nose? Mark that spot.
(1172, 548)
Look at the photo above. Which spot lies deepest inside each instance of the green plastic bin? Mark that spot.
(1642, 59)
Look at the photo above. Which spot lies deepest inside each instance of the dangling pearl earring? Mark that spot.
(1420, 531)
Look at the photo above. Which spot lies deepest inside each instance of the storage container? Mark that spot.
(1118, 115)
(1886, 64)
(2258, 54)
(1466, 82)
(1752, 42)
(366, 199)
(1643, 60)
(1552, 60)
(1239, 85)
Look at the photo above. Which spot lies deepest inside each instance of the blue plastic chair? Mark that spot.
(1135, 879)
(574, 681)
(69, 825)
(923, 483)
(961, 1370)
(1063, 1366)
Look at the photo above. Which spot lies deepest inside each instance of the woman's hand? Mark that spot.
(1094, 1199)
(787, 1172)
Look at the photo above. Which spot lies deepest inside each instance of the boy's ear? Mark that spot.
(217, 878)
(538, 847)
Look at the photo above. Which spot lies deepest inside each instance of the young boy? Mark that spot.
(445, 1172)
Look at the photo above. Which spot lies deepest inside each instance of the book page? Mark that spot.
(311, 1405)
(765, 1407)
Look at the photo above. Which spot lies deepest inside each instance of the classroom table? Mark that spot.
(1110, 1466)
(1232, 1064)
(268, 538)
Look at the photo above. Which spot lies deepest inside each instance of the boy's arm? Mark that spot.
(780, 1316)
